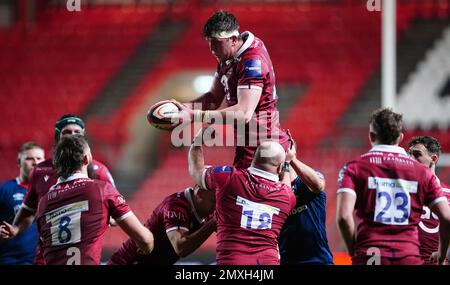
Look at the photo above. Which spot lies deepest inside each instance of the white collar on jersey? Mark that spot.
(187, 194)
(263, 174)
(389, 148)
(18, 180)
(245, 46)
(71, 177)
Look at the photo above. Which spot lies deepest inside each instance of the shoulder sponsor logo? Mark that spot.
(252, 68)
(222, 169)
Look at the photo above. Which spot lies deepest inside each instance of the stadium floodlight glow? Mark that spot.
(202, 83)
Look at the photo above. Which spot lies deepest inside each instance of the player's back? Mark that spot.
(73, 217)
(391, 189)
(250, 215)
(174, 212)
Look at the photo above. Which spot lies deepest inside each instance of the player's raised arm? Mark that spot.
(196, 158)
(309, 176)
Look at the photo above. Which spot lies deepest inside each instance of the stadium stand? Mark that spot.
(63, 63)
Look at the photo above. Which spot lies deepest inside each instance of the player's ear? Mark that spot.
(400, 138)
(434, 158)
(86, 159)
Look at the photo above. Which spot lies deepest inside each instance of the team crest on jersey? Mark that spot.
(252, 68)
(18, 196)
(219, 169)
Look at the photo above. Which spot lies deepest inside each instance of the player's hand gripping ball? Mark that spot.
(160, 115)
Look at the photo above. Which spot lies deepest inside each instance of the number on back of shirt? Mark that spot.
(393, 200)
(256, 215)
(65, 226)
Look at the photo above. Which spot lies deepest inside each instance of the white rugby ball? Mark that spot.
(163, 111)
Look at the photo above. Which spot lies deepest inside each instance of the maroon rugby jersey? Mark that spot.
(176, 211)
(391, 189)
(43, 177)
(73, 217)
(251, 68)
(252, 206)
(429, 229)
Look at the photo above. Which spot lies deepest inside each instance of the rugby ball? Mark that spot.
(157, 115)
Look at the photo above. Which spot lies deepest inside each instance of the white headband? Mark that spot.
(225, 34)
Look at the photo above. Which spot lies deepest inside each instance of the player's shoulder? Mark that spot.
(254, 47)
(99, 166)
(174, 202)
(446, 190)
(8, 183)
(350, 165)
(178, 198)
(45, 167)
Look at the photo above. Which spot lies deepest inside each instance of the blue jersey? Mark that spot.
(21, 249)
(303, 239)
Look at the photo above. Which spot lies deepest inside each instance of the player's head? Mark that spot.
(386, 127)
(425, 149)
(30, 154)
(269, 156)
(72, 154)
(205, 201)
(221, 31)
(69, 125)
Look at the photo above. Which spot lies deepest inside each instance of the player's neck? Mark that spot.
(22, 179)
(433, 168)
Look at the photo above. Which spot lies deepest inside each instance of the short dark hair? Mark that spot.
(221, 21)
(386, 125)
(68, 119)
(27, 146)
(430, 143)
(69, 153)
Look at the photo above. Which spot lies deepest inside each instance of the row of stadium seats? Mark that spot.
(60, 64)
